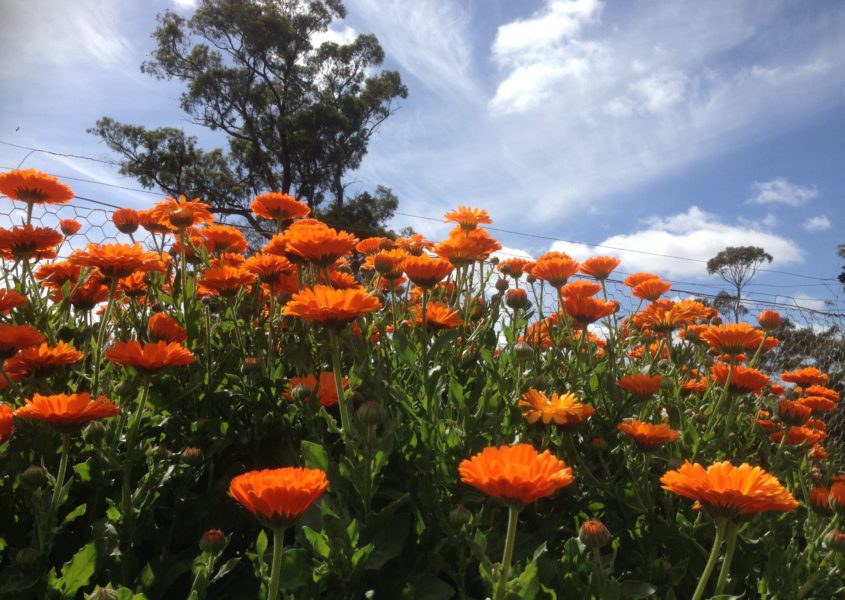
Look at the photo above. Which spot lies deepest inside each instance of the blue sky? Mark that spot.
(675, 127)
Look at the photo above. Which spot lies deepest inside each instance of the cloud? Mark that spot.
(803, 301)
(186, 4)
(782, 191)
(341, 37)
(695, 234)
(819, 223)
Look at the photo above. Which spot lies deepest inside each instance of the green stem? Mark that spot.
(721, 582)
(599, 568)
(338, 382)
(101, 335)
(278, 546)
(501, 586)
(721, 524)
(60, 482)
(714, 416)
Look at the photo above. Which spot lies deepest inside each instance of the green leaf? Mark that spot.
(315, 455)
(636, 589)
(226, 568)
(83, 470)
(261, 544)
(78, 570)
(75, 513)
(427, 586)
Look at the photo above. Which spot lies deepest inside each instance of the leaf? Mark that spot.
(78, 570)
(261, 544)
(226, 568)
(295, 568)
(315, 455)
(528, 584)
(75, 513)
(389, 541)
(427, 586)
(637, 589)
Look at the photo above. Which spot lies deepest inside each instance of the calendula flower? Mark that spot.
(824, 392)
(837, 496)
(648, 435)
(588, 309)
(277, 497)
(319, 245)
(324, 388)
(563, 409)
(224, 238)
(438, 316)
(819, 501)
(426, 272)
(651, 289)
(515, 474)
(34, 187)
(796, 436)
(41, 360)
(769, 319)
(640, 384)
(17, 337)
(126, 220)
(133, 286)
(463, 248)
(817, 404)
(600, 267)
(269, 267)
(514, 267)
(7, 423)
(29, 243)
(330, 307)
(805, 377)
(279, 207)
(635, 279)
(743, 379)
(733, 338)
(694, 386)
(555, 268)
(468, 218)
(149, 358)
(663, 316)
(182, 213)
(725, 490)
(148, 221)
(388, 263)
(414, 244)
(115, 261)
(10, 299)
(67, 412)
(580, 289)
(69, 226)
(85, 296)
(227, 281)
(793, 413)
(162, 328)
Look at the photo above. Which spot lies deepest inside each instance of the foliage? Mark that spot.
(738, 265)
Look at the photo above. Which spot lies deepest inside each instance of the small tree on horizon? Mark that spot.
(737, 265)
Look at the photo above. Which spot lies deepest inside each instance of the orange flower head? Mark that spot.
(793, 413)
(41, 360)
(126, 220)
(115, 261)
(85, 296)
(149, 358)
(278, 497)
(805, 377)
(29, 243)
(7, 424)
(648, 435)
(635, 279)
(743, 380)
(414, 245)
(279, 207)
(148, 220)
(426, 272)
(323, 388)
(600, 267)
(10, 299)
(343, 281)
(182, 213)
(224, 238)
(588, 309)
(34, 187)
(694, 386)
(468, 218)
(515, 474)
(818, 453)
(388, 263)
(769, 319)
(329, 307)
(594, 534)
(372, 245)
(227, 281)
(651, 289)
(824, 392)
(162, 328)
(797, 436)
(733, 338)
(463, 248)
(724, 490)
(67, 412)
(580, 289)
(640, 384)
(69, 227)
(515, 267)
(837, 495)
(133, 286)
(17, 337)
(555, 268)
(319, 245)
(819, 501)
(269, 267)
(564, 409)
(438, 316)
(817, 404)
(663, 316)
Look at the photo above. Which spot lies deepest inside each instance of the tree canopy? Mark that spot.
(297, 116)
(737, 265)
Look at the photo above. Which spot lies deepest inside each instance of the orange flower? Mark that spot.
(817, 403)
(805, 377)
(743, 379)
(149, 358)
(651, 289)
(663, 316)
(17, 337)
(162, 328)
(148, 221)
(819, 501)
(464, 248)
(69, 226)
(10, 299)
(837, 495)
(319, 245)
(793, 413)
(55, 274)
(374, 244)
(438, 316)
(733, 338)
(468, 218)
(85, 296)
(343, 281)
(181, 214)
(648, 435)
(133, 286)
(34, 187)
(555, 268)
(126, 220)
(600, 267)
(515, 474)
(724, 490)
(67, 412)
(694, 386)
(40, 360)
(279, 207)
(580, 289)
(277, 497)
(115, 261)
(799, 435)
(330, 307)
(769, 319)
(269, 267)
(28, 242)
(414, 245)
(640, 384)
(388, 263)
(514, 267)
(7, 424)
(224, 238)
(634, 279)
(323, 388)
(227, 281)
(589, 309)
(824, 392)
(563, 409)
(426, 272)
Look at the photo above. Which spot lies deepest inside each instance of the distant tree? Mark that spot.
(842, 255)
(738, 265)
(297, 116)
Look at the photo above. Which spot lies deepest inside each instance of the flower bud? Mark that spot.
(835, 540)
(371, 413)
(517, 299)
(599, 443)
(300, 393)
(594, 534)
(769, 319)
(524, 352)
(95, 432)
(213, 541)
(502, 285)
(250, 364)
(460, 516)
(494, 260)
(34, 476)
(531, 279)
(192, 456)
(182, 218)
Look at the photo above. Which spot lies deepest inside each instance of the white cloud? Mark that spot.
(186, 3)
(694, 234)
(782, 191)
(802, 301)
(819, 223)
(661, 90)
(341, 37)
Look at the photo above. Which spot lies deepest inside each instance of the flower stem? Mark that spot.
(721, 582)
(513, 513)
(338, 382)
(60, 482)
(278, 546)
(101, 335)
(721, 524)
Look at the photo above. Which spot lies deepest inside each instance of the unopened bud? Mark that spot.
(192, 456)
(502, 285)
(460, 516)
(34, 476)
(594, 534)
(213, 541)
(835, 540)
(524, 352)
(371, 413)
